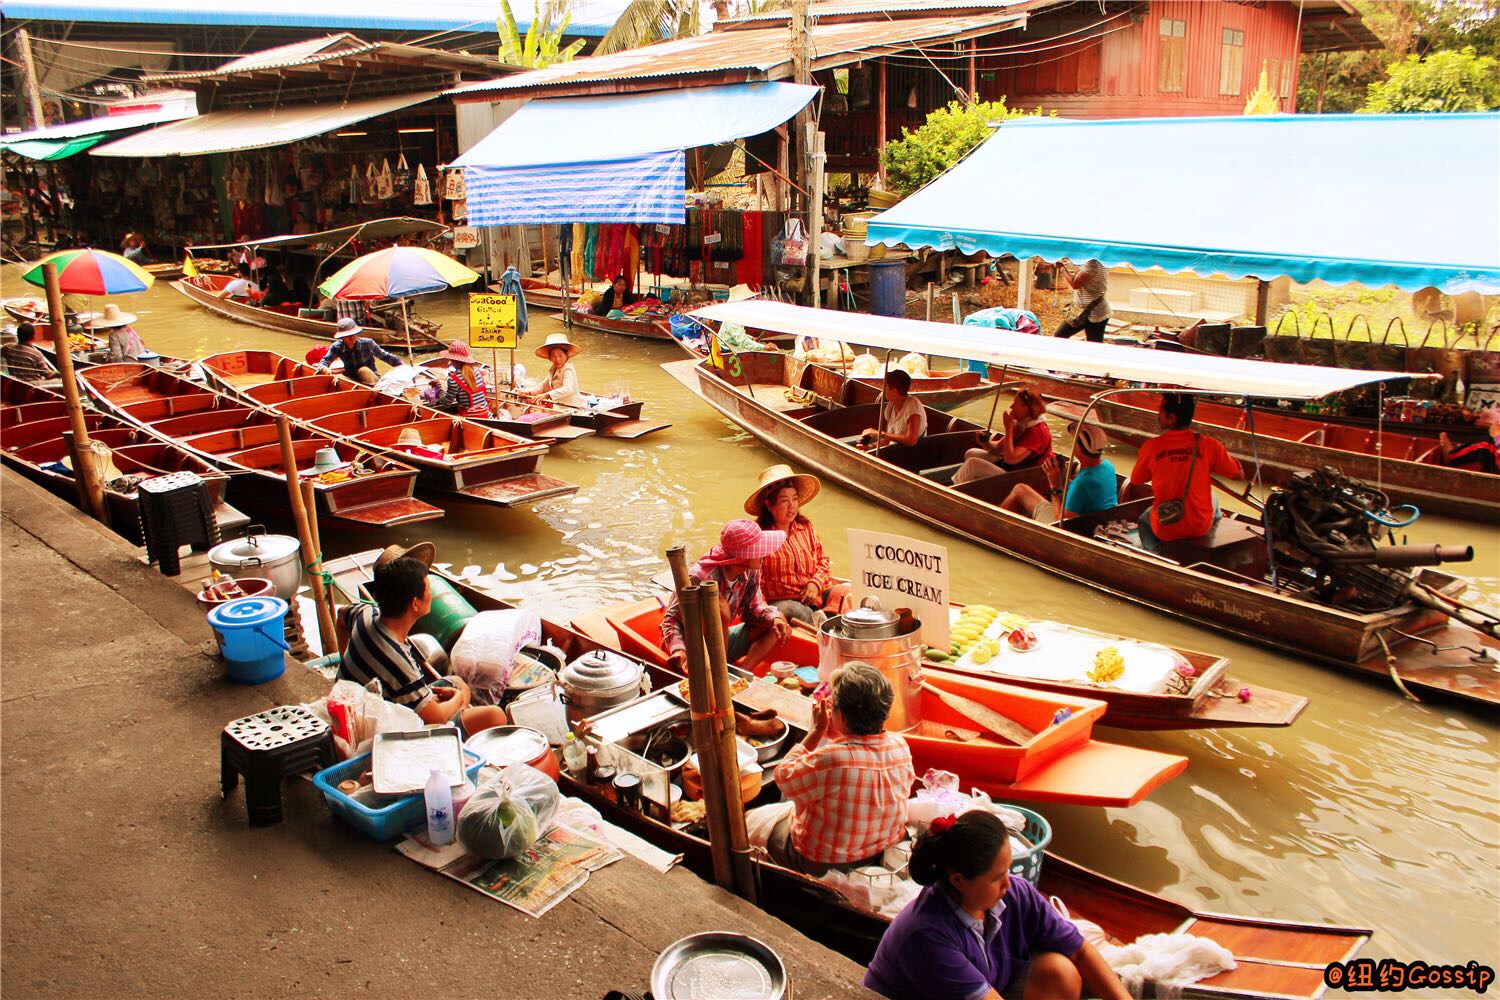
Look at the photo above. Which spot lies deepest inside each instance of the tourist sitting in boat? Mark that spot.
(1179, 464)
(133, 249)
(614, 298)
(124, 343)
(561, 383)
(1026, 441)
(466, 392)
(357, 353)
(1480, 456)
(734, 564)
(278, 289)
(242, 286)
(1093, 488)
(975, 932)
(373, 639)
(797, 579)
(905, 416)
(23, 360)
(848, 781)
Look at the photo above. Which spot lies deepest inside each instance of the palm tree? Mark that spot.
(646, 21)
(542, 43)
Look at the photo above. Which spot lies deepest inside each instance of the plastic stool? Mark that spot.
(176, 510)
(268, 747)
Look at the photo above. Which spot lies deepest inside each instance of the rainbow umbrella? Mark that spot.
(91, 272)
(396, 272)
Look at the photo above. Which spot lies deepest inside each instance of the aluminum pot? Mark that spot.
(898, 657)
(869, 621)
(278, 557)
(597, 681)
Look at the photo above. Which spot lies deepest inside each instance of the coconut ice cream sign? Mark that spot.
(903, 573)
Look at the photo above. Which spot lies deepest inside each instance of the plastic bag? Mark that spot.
(793, 244)
(485, 652)
(938, 796)
(865, 365)
(356, 713)
(511, 809)
(914, 365)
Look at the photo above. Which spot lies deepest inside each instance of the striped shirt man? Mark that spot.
(374, 653)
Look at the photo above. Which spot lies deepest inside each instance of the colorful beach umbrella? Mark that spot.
(396, 272)
(92, 272)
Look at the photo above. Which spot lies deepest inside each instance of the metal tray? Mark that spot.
(390, 747)
(718, 964)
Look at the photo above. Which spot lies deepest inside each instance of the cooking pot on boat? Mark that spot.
(898, 657)
(597, 681)
(278, 557)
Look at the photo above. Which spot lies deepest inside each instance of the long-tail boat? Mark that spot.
(1274, 958)
(1224, 582)
(32, 423)
(456, 456)
(367, 490)
(1209, 701)
(550, 298)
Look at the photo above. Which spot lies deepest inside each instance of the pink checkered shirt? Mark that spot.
(849, 794)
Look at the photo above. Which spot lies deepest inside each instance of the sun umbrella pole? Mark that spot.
(406, 322)
(312, 560)
(85, 472)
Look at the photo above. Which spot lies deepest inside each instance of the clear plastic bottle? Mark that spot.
(439, 796)
(575, 754)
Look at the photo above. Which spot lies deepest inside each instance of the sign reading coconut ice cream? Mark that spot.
(902, 573)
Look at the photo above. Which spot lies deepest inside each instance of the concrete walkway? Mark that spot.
(125, 874)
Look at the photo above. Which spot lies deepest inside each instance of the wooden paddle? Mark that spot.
(983, 716)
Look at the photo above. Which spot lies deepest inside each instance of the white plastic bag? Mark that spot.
(914, 365)
(938, 796)
(866, 365)
(368, 713)
(509, 811)
(485, 652)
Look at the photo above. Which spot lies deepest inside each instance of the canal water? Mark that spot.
(1370, 811)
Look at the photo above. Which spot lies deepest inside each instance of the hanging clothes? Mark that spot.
(510, 284)
(632, 255)
(564, 255)
(421, 187)
(580, 237)
(590, 249)
(749, 270)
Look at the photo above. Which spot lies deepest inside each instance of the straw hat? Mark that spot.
(458, 351)
(347, 328)
(110, 318)
(422, 552)
(807, 486)
(326, 460)
(408, 436)
(556, 340)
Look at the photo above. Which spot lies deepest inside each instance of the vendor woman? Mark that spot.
(975, 932)
(561, 383)
(734, 564)
(614, 298)
(797, 579)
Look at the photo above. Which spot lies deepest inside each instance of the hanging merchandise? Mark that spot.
(750, 269)
(403, 177)
(580, 237)
(385, 182)
(453, 185)
(632, 260)
(590, 248)
(565, 255)
(460, 211)
(793, 243)
(421, 188)
(354, 185)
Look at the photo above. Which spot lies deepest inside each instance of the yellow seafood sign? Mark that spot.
(492, 320)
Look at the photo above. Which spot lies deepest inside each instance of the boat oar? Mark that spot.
(983, 716)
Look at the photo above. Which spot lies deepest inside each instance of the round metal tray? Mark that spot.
(720, 965)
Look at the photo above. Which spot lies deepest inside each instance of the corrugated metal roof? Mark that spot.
(845, 8)
(103, 123)
(752, 54)
(403, 59)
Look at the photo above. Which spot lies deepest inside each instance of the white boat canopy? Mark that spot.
(1259, 379)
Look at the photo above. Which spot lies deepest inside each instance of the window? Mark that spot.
(1232, 62)
(1288, 70)
(1171, 60)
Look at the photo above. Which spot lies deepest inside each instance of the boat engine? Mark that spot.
(1327, 527)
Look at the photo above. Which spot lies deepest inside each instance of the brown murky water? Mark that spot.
(1370, 811)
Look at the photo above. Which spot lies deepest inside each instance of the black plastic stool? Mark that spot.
(268, 747)
(176, 510)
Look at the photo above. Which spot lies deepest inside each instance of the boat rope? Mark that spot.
(1390, 666)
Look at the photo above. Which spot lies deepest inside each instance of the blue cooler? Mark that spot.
(250, 633)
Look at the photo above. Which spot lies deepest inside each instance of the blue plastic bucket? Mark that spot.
(684, 326)
(887, 287)
(250, 632)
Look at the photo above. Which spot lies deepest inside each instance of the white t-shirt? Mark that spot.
(898, 419)
(243, 287)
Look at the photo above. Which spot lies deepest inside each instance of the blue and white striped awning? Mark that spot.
(612, 159)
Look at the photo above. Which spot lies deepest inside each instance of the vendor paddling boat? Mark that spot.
(1411, 627)
(354, 487)
(1274, 958)
(455, 456)
(32, 424)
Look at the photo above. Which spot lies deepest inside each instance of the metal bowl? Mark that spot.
(770, 748)
(719, 964)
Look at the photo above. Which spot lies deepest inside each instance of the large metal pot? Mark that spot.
(869, 621)
(278, 557)
(898, 657)
(597, 681)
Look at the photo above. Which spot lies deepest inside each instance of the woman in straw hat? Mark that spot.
(734, 564)
(561, 383)
(124, 343)
(467, 392)
(798, 578)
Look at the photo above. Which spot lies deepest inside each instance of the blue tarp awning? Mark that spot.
(618, 158)
(1409, 200)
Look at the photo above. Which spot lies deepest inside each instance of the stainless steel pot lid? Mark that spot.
(257, 546)
(508, 745)
(601, 670)
(868, 616)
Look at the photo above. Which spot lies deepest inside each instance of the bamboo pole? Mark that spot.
(312, 560)
(677, 560)
(700, 697)
(310, 505)
(728, 762)
(85, 471)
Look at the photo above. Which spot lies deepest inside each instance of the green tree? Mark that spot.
(644, 22)
(945, 138)
(542, 43)
(1459, 80)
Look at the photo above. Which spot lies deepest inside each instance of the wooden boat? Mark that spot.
(1274, 958)
(243, 441)
(1222, 583)
(165, 271)
(1286, 444)
(205, 288)
(32, 422)
(458, 457)
(1210, 703)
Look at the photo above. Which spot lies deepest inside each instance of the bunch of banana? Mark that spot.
(1108, 666)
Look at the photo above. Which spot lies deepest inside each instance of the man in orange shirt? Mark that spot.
(1178, 463)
